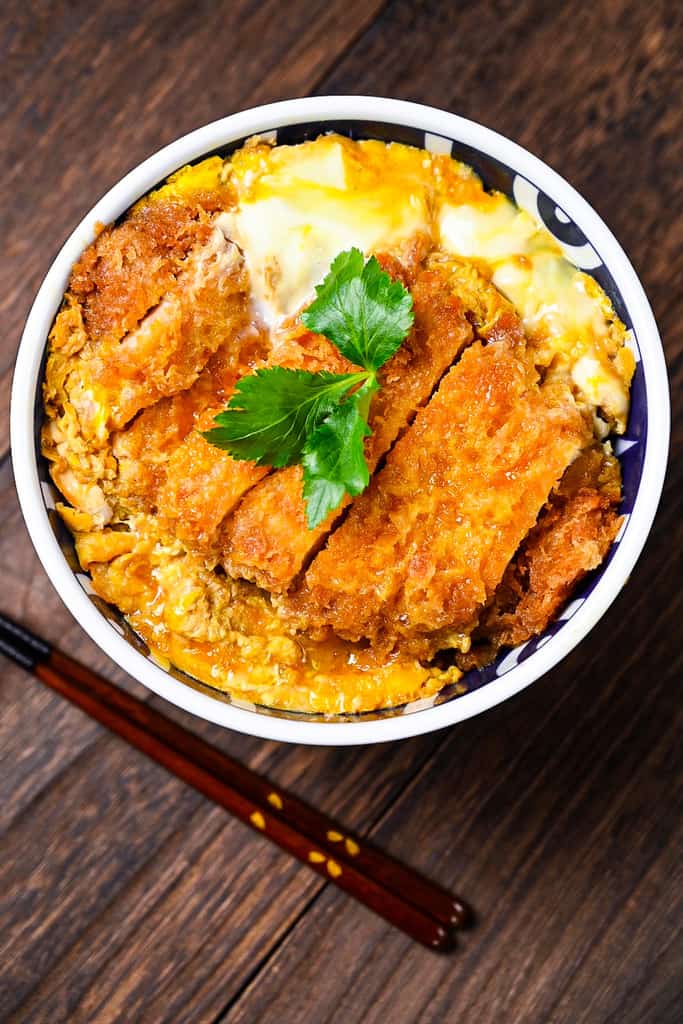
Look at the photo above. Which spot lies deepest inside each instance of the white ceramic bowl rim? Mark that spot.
(216, 135)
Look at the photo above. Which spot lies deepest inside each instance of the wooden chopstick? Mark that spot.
(338, 842)
(402, 896)
(341, 844)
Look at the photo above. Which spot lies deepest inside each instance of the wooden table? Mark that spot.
(124, 896)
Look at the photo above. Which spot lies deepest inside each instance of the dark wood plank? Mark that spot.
(126, 897)
(144, 899)
(559, 815)
(92, 89)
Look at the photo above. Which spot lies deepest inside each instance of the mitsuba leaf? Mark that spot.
(280, 417)
(273, 412)
(361, 310)
(333, 461)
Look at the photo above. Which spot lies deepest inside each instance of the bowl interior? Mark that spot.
(630, 448)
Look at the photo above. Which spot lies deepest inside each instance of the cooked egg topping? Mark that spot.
(298, 206)
(566, 315)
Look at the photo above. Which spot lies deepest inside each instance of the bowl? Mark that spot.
(587, 242)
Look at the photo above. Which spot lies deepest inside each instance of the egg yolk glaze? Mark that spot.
(493, 488)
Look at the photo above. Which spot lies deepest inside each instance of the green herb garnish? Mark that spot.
(280, 417)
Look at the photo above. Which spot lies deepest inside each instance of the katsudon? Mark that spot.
(331, 422)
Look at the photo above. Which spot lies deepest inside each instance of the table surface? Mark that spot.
(124, 895)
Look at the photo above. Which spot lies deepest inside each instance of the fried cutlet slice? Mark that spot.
(572, 536)
(424, 548)
(203, 484)
(93, 389)
(267, 539)
(143, 449)
(170, 346)
(131, 265)
(117, 292)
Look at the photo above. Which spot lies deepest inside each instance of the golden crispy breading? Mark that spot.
(145, 446)
(95, 386)
(427, 544)
(143, 449)
(101, 384)
(267, 539)
(571, 537)
(204, 484)
(168, 349)
(131, 265)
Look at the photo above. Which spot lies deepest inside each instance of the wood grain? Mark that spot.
(189, 921)
(123, 895)
(559, 843)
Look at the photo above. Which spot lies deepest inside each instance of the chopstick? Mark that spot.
(425, 911)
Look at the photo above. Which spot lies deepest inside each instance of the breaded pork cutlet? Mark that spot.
(166, 466)
(148, 304)
(424, 548)
(166, 351)
(267, 539)
(572, 536)
(130, 266)
(144, 448)
(203, 484)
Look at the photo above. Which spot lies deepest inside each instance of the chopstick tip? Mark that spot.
(461, 916)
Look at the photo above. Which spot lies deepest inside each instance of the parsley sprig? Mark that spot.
(281, 417)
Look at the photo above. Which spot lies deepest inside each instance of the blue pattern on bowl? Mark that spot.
(630, 448)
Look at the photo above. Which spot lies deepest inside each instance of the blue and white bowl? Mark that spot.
(587, 242)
